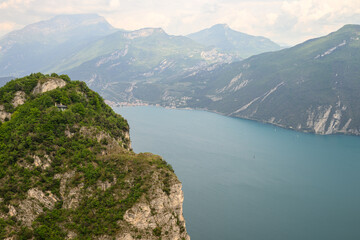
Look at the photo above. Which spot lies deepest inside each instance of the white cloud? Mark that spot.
(318, 17)
(290, 21)
(131, 21)
(7, 27)
(14, 3)
(271, 18)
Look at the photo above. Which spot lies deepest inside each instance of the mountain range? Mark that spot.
(110, 60)
(310, 87)
(67, 41)
(117, 62)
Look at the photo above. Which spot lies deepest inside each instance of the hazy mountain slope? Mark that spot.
(122, 61)
(4, 80)
(71, 174)
(314, 86)
(228, 40)
(44, 44)
(112, 62)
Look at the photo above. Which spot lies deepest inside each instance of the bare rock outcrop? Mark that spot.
(12, 211)
(48, 85)
(329, 120)
(33, 205)
(127, 137)
(19, 99)
(161, 215)
(70, 194)
(43, 163)
(3, 114)
(46, 199)
(112, 144)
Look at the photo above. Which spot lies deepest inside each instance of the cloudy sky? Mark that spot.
(284, 21)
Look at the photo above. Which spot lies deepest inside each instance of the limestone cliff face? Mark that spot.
(19, 98)
(323, 120)
(29, 208)
(112, 145)
(160, 211)
(3, 114)
(330, 120)
(156, 215)
(48, 85)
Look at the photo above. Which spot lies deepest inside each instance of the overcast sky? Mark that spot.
(283, 21)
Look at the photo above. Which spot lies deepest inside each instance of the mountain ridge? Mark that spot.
(45, 46)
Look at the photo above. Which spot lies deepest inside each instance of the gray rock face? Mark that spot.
(69, 194)
(112, 145)
(48, 85)
(19, 98)
(157, 215)
(3, 114)
(43, 163)
(33, 205)
(160, 211)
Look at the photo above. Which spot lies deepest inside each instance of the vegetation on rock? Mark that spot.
(71, 174)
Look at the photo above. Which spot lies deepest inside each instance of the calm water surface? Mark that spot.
(247, 180)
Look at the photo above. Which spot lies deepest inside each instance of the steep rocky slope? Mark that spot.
(67, 170)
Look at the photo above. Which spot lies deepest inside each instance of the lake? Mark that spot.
(252, 181)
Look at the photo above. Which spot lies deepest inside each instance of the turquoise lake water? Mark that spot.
(252, 181)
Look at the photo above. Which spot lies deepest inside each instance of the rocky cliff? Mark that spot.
(71, 174)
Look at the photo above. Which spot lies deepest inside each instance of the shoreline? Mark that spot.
(140, 103)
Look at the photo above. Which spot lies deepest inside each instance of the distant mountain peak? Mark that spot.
(223, 37)
(45, 42)
(144, 32)
(219, 28)
(62, 24)
(78, 19)
(349, 28)
(221, 25)
(79, 16)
